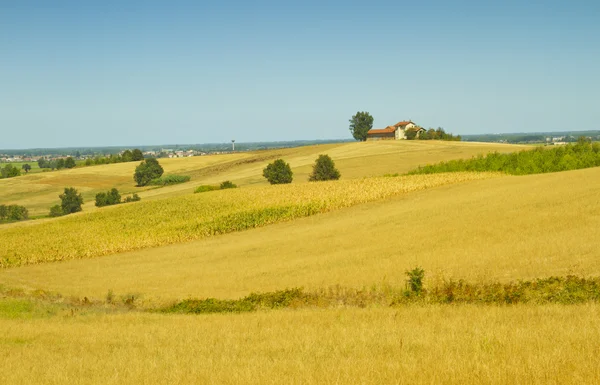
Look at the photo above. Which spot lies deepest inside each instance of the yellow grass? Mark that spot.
(414, 345)
(167, 221)
(38, 192)
(499, 229)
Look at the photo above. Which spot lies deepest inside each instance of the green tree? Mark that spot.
(360, 124)
(56, 211)
(69, 162)
(26, 167)
(127, 156)
(278, 172)
(109, 198)
(60, 164)
(9, 171)
(136, 155)
(410, 134)
(71, 201)
(147, 170)
(324, 169)
(42, 163)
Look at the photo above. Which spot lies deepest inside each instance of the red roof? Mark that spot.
(403, 123)
(387, 130)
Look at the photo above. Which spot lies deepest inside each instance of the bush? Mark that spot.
(169, 180)
(324, 169)
(109, 198)
(71, 201)
(9, 171)
(56, 211)
(205, 188)
(414, 283)
(278, 172)
(133, 198)
(148, 170)
(539, 160)
(227, 184)
(69, 162)
(13, 213)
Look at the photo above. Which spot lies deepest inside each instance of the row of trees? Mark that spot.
(13, 213)
(280, 172)
(57, 164)
(127, 156)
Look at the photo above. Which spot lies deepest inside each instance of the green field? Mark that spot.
(80, 287)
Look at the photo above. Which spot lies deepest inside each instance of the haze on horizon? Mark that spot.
(140, 72)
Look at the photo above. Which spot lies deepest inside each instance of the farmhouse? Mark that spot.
(394, 132)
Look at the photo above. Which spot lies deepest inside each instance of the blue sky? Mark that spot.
(78, 73)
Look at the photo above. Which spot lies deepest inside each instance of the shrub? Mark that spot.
(414, 283)
(539, 160)
(205, 188)
(169, 180)
(69, 162)
(109, 198)
(13, 213)
(324, 169)
(133, 198)
(278, 172)
(227, 184)
(148, 170)
(71, 201)
(9, 171)
(56, 211)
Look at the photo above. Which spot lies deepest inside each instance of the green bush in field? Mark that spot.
(71, 201)
(227, 184)
(324, 169)
(9, 171)
(13, 213)
(133, 198)
(148, 170)
(56, 211)
(108, 198)
(168, 180)
(205, 188)
(278, 172)
(537, 161)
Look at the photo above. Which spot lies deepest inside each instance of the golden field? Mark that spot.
(39, 191)
(498, 229)
(369, 230)
(180, 219)
(411, 345)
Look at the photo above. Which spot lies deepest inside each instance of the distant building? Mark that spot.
(394, 132)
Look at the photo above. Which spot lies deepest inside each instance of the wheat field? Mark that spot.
(39, 191)
(413, 345)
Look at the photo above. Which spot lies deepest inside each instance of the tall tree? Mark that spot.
(26, 167)
(360, 124)
(71, 201)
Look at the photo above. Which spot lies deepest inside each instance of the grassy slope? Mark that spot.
(499, 229)
(40, 191)
(414, 345)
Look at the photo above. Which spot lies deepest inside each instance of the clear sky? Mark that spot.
(92, 73)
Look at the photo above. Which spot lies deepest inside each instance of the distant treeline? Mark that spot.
(56, 164)
(532, 137)
(76, 152)
(583, 154)
(9, 171)
(13, 213)
(126, 156)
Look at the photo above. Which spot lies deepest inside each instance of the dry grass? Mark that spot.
(414, 345)
(500, 229)
(38, 192)
(168, 221)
